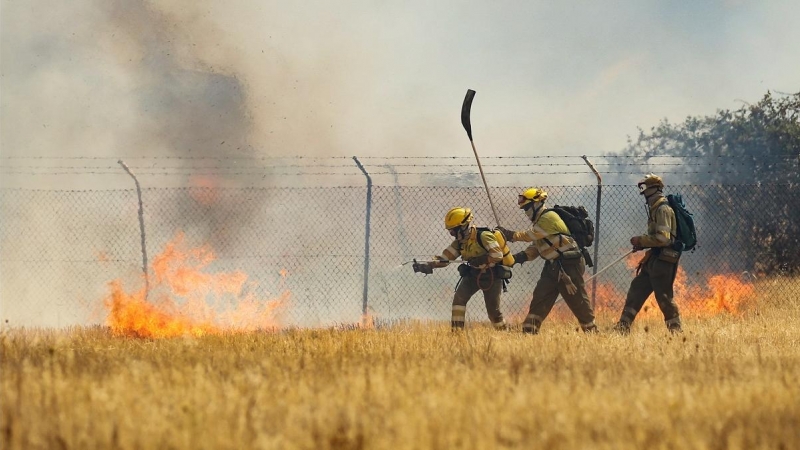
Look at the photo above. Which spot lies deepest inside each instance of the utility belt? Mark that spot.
(501, 272)
(568, 257)
(667, 254)
(498, 272)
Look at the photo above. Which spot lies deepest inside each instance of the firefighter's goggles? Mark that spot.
(522, 199)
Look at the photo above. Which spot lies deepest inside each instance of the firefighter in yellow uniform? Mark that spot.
(564, 264)
(657, 270)
(488, 265)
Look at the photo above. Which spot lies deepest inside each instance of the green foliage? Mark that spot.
(755, 145)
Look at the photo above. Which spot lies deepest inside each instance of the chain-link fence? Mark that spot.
(60, 249)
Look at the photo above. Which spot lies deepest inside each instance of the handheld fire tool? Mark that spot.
(465, 113)
(423, 267)
(634, 250)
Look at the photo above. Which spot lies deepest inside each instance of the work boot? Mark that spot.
(531, 327)
(532, 324)
(501, 326)
(674, 325)
(622, 327)
(589, 328)
(526, 329)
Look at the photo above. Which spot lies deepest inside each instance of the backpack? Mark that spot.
(581, 228)
(480, 231)
(686, 239)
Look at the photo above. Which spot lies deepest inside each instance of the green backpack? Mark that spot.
(686, 238)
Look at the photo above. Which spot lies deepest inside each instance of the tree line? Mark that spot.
(753, 155)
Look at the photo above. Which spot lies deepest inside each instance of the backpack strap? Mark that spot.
(666, 203)
(560, 253)
(478, 234)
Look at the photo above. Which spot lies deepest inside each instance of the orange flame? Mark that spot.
(191, 301)
(705, 296)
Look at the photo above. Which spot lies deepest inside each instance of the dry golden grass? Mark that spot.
(728, 382)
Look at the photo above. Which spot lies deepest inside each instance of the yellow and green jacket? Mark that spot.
(548, 226)
(469, 248)
(661, 225)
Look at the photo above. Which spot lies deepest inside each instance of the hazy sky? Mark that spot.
(122, 77)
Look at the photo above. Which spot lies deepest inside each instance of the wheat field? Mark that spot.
(727, 382)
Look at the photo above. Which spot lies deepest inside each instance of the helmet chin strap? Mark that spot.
(647, 197)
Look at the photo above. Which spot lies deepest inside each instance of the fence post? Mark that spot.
(366, 238)
(141, 229)
(596, 228)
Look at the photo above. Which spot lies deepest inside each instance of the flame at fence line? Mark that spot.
(704, 295)
(188, 299)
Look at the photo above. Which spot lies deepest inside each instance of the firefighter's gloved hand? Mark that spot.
(422, 268)
(520, 257)
(636, 242)
(507, 234)
(479, 260)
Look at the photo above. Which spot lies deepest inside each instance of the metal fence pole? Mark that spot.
(596, 228)
(141, 229)
(366, 238)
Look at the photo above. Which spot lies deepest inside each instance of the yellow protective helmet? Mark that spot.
(530, 196)
(457, 217)
(650, 180)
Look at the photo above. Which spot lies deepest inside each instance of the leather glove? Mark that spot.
(422, 268)
(520, 257)
(636, 242)
(479, 260)
(507, 234)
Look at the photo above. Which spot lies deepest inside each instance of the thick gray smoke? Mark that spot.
(121, 79)
(114, 78)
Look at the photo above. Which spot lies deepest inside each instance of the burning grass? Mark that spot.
(728, 382)
(187, 298)
(704, 295)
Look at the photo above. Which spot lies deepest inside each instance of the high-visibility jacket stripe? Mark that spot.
(661, 225)
(547, 227)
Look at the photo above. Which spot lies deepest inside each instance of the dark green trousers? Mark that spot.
(656, 276)
(546, 292)
(467, 287)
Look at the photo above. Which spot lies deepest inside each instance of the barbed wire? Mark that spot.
(724, 164)
(260, 174)
(387, 166)
(354, 173)
(428, 157)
